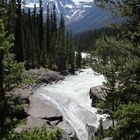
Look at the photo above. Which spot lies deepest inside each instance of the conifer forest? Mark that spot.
(56, 84)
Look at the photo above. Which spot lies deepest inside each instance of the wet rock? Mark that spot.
(68, 129)
(38, 112)
(90, 128)
(108, 138)
(97, 93)
(39, 109)
(65, 136)
(107, 124)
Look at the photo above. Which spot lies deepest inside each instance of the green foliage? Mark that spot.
(36, 134)
(11, 71)
(11, 75)
(35, 45)
(118, 60)
(129, 10)
(78, 58)
(100, 134)
(38, 44)
(128, 119)
(119, 65)
(88, 39)
(12, 113)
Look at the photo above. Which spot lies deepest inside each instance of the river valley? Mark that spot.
(71, 97)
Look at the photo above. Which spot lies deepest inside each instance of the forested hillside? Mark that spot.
(118, 60)
(40, 42)
(88, 39)
(27, 41)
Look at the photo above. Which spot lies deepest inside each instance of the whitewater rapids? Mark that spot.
(71, 97)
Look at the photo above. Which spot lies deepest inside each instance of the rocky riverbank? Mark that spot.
(41, 100)
(37, 112)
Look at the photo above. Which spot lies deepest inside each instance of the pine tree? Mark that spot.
(127, 117)
(40, 32)
(54, 26)
(78, 57)
(18, 48)
(28, 49)
(10, 76)
(11, 16)
(118, 60)
(48, 30)
(71, 54)
(61, 43)
(36, 48)
(40, 25)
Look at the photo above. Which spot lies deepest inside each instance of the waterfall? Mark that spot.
(71, 97)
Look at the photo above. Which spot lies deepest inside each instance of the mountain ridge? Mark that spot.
(80, 15)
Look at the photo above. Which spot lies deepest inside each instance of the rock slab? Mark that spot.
(97, 93)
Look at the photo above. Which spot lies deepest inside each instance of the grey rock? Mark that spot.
(108, 124)
(97, 93)
(31, 123)
(108, 138)
(43, 75)
(90, 129)
(39, 113)
(55, 122)
(68, 129)
(40, 109)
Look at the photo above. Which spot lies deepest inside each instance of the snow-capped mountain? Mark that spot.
(80, 15)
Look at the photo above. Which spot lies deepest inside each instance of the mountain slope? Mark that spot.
(93, 20)
(80, 15)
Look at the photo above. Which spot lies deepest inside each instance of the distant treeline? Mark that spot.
(88, 39)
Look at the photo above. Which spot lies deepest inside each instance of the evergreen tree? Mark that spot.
(36, 54)
(11, 16)
(18, 48)
(54, 18)
(10, 76)
(40, 44)
(28, 49)
(48, 30)
(41, 32)
(40, 25)
(127, 117)
(78, 57)
(71, 54)
(118, 60)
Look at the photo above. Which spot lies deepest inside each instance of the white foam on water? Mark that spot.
(71, 97)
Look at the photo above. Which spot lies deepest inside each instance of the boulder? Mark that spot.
(38, 112)
(108, 138)
(97, 93)
(107, 124)
(68, 129)
(31, 123)
(40, 109)
(90, 129)
(47, 113)
(43, 75)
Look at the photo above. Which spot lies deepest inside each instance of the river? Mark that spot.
(71, 97)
